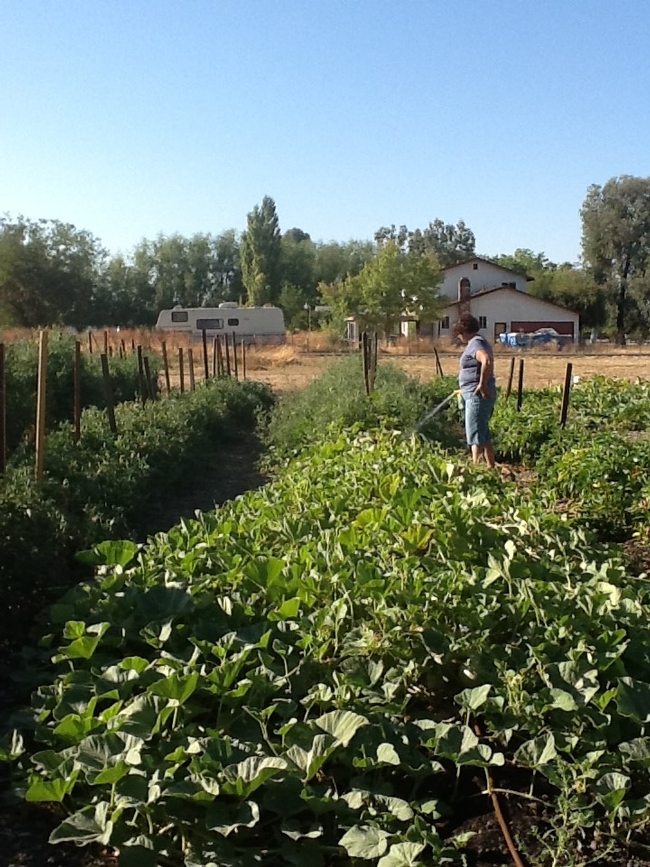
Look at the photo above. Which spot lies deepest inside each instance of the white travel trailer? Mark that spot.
(250, 324)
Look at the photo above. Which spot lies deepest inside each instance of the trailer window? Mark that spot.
(179, 316)
(209, 324)
(233, 322)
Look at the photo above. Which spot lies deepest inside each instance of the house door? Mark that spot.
(499, 328)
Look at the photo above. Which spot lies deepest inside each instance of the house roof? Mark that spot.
(488, 262)
(519, 294)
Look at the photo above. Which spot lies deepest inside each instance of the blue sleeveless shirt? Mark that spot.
(470, 368)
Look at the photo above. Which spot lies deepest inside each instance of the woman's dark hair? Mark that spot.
(466, 324)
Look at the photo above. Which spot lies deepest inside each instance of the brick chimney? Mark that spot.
(464, 295)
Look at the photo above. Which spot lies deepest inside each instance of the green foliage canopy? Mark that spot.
(393, 283)
(261, 254)
(616, 241)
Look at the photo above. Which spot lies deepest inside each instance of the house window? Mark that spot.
(475, 266)
(209, 324)
(444, 323)
(233, 322)
(482, 322)
(179, 316)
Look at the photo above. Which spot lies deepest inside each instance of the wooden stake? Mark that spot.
(147, 373)
(510, 377)
(105, 342)
(141, 379)
(108, 393)
(214, 357)
(205, 354)
(166, 366)
(227, 351)
(566, 394)
(365, 361)
(234, 354)
(190, 365)
(520, 384)
(220, 363)
(90, 342)
(243, 359)
(439, 370)
(374, 343)
(181, 370)
(3, 412)
(76, 380)
(41, 405)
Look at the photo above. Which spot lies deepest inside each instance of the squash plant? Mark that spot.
(319, 671)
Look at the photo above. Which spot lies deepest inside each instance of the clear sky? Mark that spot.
(130, 118)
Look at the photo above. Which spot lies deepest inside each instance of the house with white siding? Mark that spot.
(497, 297)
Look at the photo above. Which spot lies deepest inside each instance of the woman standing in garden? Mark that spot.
(478, 387)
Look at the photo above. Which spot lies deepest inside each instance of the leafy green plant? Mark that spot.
(336, 402)
(314, 671)
(98, 488)
(22, 372)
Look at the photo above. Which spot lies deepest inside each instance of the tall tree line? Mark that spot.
(52, 273)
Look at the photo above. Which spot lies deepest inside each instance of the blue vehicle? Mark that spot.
(542, 337)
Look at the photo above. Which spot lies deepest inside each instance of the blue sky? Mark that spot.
(130, 118)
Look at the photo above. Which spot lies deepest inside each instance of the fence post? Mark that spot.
(243, 359)
(214, 357)
(166, 366)
(90, 342)
(364, 361)
(108, 393)
(227, 351)
(181, 370)
(76, 384)
(510, 377)
(219, 356)
(234, 354)
(373, 359)
(566, 394)
(439, 369)
(206, 369)
(190, 366)
(520, 384)
(41, 405)
(3, 412)
(147, 372)
(141, 380)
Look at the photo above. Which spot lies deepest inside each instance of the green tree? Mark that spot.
(616, 241)
(260, 254)
(525, 261)
(448, 243)
(49, 272)
(575, 289)
(335, 261)
(298, 260)
(393, 283)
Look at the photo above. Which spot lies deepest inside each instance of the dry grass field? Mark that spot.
(288, 368)
(304, 357)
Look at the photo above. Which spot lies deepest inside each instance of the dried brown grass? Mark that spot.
(305, 356)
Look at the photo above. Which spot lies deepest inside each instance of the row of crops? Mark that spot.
(338, 668)
(100, 485)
